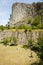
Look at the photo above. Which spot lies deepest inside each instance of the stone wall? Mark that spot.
(21, 35)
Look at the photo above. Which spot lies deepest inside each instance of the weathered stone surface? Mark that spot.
(23, 10)
(21, 35)
(20, 11)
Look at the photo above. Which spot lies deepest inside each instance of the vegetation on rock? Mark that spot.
(6, 41)
(15, 40)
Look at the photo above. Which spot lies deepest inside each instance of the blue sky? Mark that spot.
(5, 9)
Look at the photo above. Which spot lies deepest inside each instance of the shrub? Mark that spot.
(30, 21)
(24, 27)
(6, 41)
(41, 62)
(15, 41)
(40, 42)
(2, 27)
(36, 20)
(30, 42)
(35, 48)
(39, 45)
(35, 27)
(41, 26)
(25, 46)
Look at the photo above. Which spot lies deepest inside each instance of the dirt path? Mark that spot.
(16, 56)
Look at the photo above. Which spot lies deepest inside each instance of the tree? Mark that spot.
(36, 20)
(2, 27)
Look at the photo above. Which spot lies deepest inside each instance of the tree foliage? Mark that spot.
(37, 20)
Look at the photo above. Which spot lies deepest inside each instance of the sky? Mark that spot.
(5, 9)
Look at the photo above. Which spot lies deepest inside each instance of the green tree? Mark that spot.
(36, 21)
(2, 27)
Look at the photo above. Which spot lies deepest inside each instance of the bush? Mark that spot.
(25, 46)
(36, 20)
(39, 45)
(24, 27)
(35, 27)
(35, 48)
(6, 41)
(40, 42)
(39, 48)
(30, 21)
(41, 62)
(41, 26)
(2, 27)
(30, 42)
(15, 41)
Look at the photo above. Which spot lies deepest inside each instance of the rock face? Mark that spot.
(21, 36)
(23, 10)
(20, 11)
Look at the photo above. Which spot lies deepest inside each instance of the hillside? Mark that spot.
(26, 14)
(21, 40)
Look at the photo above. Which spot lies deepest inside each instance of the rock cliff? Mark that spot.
(22, 36)
(21, 11)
